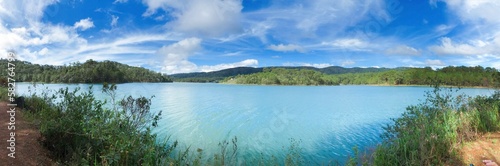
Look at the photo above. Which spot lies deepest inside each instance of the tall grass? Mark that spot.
(432, 132)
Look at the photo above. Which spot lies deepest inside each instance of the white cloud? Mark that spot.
(176, 55)
(482, 60)
(176, 58)
(316, 65)
(472, 47)
(114, 20)
(476, 10)
(120, 1)
(286, 48)
(244, 63)
(443, 29)
(84, 24)
(43, 51)
(314, 19)
(402, 50)
(434, 63)
(237, 53)
(200, 17)
(348, 44)
(347, 63)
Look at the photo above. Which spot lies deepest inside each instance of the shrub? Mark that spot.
(431, 133)
(79, 130)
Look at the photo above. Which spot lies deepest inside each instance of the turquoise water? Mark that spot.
(328, 120)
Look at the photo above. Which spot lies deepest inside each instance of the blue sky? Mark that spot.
(177, 36)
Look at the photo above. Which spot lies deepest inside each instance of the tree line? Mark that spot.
(452, 76)
(282, 76)
(88, 72)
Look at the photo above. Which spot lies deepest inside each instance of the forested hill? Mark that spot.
(89, 72)
(214, 76)
(217, 76)
(452, 76)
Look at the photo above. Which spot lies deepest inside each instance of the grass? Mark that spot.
(432, 132)
(4, 92)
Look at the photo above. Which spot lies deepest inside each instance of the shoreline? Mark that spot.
(381, 85)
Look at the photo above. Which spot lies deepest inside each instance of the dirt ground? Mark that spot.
(485, 148)
(28, 150)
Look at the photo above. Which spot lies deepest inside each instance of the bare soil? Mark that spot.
(28, 150)
(486, 147)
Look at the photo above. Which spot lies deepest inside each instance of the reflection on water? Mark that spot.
(327, 120)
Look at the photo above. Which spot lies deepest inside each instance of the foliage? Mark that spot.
(84, 132)
(217, 76)
(214, 76)
(280, 76)
(88, 72)
(431, 133)
(3, 92)
(452, 76)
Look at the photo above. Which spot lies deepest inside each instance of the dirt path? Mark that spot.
(485, 148)
(28, 150)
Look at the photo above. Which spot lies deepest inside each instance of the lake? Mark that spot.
(326, 122)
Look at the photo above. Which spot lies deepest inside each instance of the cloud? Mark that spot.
(316, 65)
(347, 63)
(120, 1)
(435, 62)
(200, 17)
(475, 10)
(352, 44)
(308, 20)
(43, 51)
(472, 47)
(114, 20)
(286, 48)
(244, 63)
(84, 24)
(176, 58)
(483, 60)
(402, 50)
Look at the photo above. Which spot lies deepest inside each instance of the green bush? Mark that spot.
(432, 132)
(78, 129)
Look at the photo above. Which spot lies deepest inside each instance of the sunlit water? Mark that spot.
(326, 121)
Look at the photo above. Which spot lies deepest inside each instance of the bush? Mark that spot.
(79, 130)
(431, 133)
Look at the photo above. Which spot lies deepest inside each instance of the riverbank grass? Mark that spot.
(433, 132)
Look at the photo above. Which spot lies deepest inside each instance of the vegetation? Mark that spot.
(451, 76)
(217, 76)
(214, 76)
(3, 89)
(431, 133)
(88, 72)
(280, 76)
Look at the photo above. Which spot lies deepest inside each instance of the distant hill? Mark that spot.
(217, 76)
(214, 76)
(89, 72)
